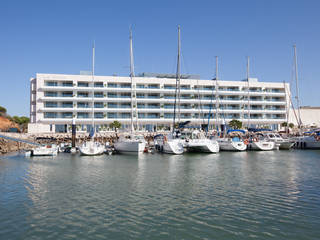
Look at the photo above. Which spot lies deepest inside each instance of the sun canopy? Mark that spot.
(235, 130)
(259, 130)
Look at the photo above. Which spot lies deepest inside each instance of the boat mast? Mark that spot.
(177, 92)
(287, 106)
(131, 77)
(297, 88)
(248, 89)
(216, 93)
(199, 105)
(92, 98)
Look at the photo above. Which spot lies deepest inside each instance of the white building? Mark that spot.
(310, 116)
(57, 98)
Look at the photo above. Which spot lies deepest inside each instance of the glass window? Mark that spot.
(83, 115)
(50, 115)
(67, 84)
(50, 94)
(51, 83)
(98, 105)
(83, 94)
(83, 84)
(112, 85)
(98, 115)
(50, 104)
(83, 105)
(67, 94)
(67, 115)
(67, 104)
(98, 84)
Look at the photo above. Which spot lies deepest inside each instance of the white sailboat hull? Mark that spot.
(286, 145)
(226, 145)
(130, 146)
(203, 145)
(91, 149)
(308, 142)
(44, 151)
(173, 146)
(261, 146)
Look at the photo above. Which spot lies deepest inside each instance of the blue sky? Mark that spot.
(56, 37)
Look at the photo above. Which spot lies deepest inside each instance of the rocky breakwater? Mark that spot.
(7, 146)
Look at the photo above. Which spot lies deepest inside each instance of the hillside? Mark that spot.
(5, 124)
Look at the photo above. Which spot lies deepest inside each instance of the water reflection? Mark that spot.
(193, 196)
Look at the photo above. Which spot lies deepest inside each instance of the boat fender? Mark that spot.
(255, 139)
(246, 142)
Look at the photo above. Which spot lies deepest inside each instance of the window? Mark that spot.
(83, 84)
(98, 115)
(51, 83)
(112, 95)
(125, 115)
(50, 94)
(67, 84)
(98, 84)
(67, 104)
(98, 95)
(153, 105)
(141, 115)
(112, 85)
(67, 115)
(83, 115)
(67, 94)
(112, 115)
(153, 115)
(50, 115)
(153, 96)
(125, 105)
(140, 95)
(140, 86)
(112, 105)
(83, 105)
(168, 115)
(125, 85)
(125, 95)
(50, 104)
(154, 86)
(141, 105)
(98, 105)
(83, 94)
(169, 86)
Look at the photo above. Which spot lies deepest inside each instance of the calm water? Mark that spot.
(248, 195)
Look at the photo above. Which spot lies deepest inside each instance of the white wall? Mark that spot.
(40, 128)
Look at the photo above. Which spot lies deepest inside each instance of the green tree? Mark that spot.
(291, 125)
(3, 111)
(235, 124)
(284, 124)
(115, 124)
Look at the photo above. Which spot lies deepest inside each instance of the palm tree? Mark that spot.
(116, 125)
(235, 124)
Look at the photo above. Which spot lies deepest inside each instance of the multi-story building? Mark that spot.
(58, 98)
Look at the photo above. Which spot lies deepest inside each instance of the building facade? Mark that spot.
(56, 99)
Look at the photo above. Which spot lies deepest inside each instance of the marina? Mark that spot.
(160, 120)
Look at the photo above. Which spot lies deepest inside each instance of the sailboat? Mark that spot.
(311, 140)
(233, 141)
(132, 143)
(198, 142)
(91, 147)
(256, 142)
(172, 143)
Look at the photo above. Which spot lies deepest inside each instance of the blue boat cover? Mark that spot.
(236, 130)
